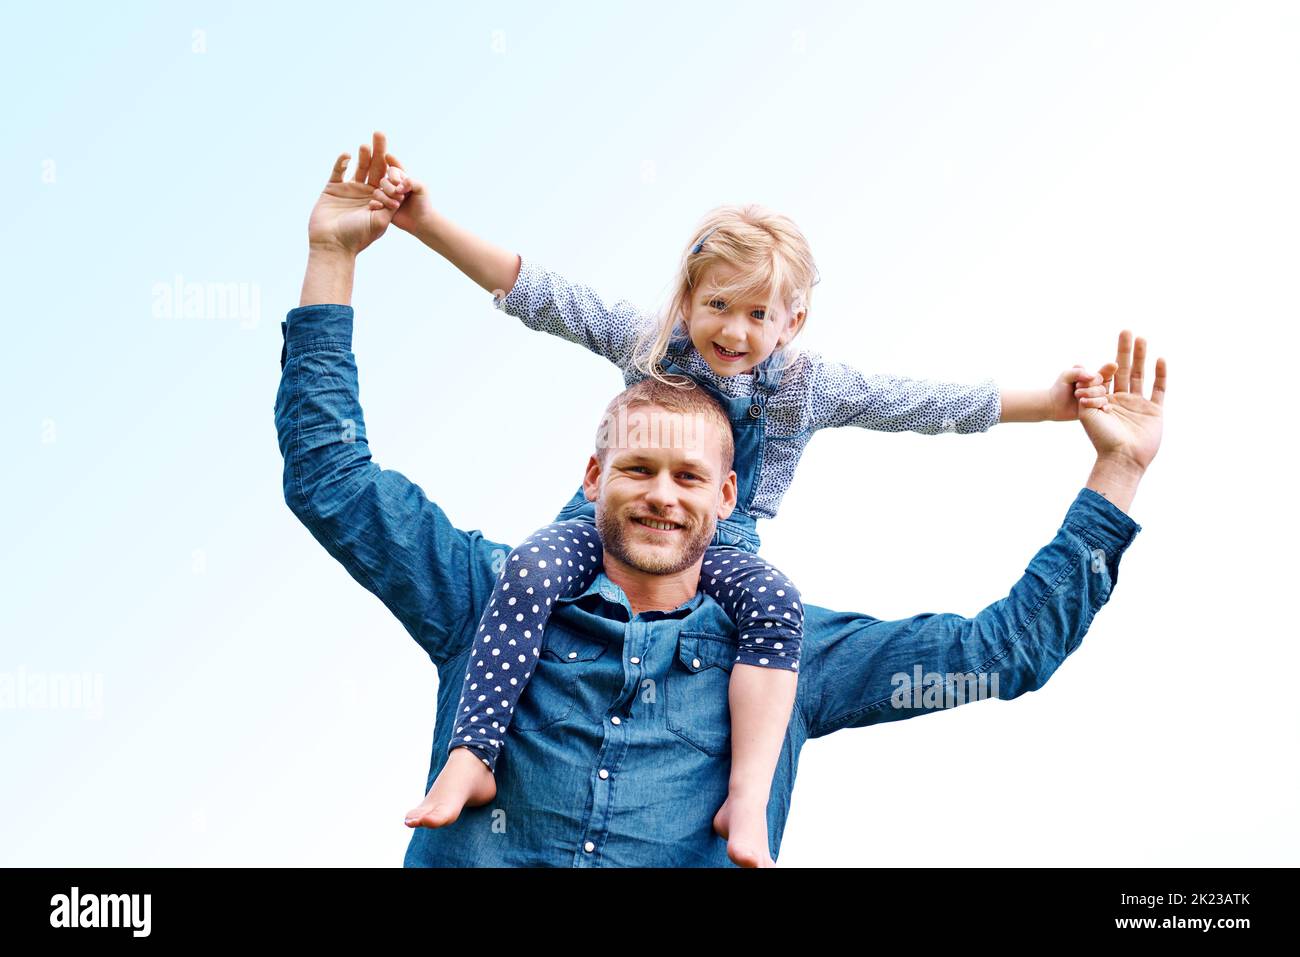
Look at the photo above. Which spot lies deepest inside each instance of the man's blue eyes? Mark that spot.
(762, 313)
(642, 468)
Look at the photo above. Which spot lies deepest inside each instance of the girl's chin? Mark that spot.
(723, 367)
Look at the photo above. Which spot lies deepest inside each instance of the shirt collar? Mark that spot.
(604, 591)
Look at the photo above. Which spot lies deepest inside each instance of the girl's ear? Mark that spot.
(792, 327)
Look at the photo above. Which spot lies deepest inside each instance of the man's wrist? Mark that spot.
(331, 254)
(1116, 477)
(330, 269)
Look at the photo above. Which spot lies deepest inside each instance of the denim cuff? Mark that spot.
(303, 325)
(1103, 525)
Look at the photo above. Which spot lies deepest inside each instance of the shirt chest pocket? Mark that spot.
(553, 687)
(696, 691)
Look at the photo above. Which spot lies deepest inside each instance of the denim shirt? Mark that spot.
(618, 753)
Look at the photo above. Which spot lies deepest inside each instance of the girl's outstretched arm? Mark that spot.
(544, 300)
(490, 266)
(1059, 402)
(841, 395)
(837, 394)
(541, 298)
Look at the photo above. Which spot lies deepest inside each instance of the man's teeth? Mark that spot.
(665, 526)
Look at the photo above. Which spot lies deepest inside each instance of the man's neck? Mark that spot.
(647, 592)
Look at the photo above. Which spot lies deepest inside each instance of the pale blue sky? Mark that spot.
(990, 189)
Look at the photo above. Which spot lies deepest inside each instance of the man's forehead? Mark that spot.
(680, 436)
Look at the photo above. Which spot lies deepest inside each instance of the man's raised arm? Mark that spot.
(859, 670)
(376, 522)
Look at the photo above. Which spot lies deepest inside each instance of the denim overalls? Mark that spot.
(748, 415)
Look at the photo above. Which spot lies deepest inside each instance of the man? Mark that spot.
(617, 753)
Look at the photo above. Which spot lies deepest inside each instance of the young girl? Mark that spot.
(741, 296)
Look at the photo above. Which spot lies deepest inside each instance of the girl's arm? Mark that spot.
(841, 395)
(1059, 402)
(546, 301)
(487, 264)
(1024, 405)
(541, 299)
(490, 266)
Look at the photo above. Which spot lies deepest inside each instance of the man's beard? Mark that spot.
(651, 561)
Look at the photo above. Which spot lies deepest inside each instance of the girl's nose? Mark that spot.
(732, 337)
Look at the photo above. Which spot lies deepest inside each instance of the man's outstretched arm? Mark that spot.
(859, 670)
(378, 524)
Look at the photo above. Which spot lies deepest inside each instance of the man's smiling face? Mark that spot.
(660, 491)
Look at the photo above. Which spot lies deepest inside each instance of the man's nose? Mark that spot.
(662, 493)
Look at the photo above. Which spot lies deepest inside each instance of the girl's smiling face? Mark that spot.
(734, 339)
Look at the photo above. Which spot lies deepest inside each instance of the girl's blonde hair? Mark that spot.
(770, 256)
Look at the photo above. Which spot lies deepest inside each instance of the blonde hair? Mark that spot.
(772, 261)
(672, 398)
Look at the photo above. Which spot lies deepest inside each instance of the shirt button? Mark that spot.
(635, 660)
(755, 411)
(589, 847)
(603, 774)
(614, 720)
(695, 662)
(573, 654)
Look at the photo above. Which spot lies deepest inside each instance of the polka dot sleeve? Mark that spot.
(546, 301)
(840, 395)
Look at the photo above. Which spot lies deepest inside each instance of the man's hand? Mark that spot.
(1122, 424)
(1124, 427)
(343, 218)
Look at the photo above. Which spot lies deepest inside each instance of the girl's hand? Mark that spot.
(1094, 394)
(406, 198)
(1064, 394)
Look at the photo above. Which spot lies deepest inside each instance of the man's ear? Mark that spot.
(727, 504)
(591, 479)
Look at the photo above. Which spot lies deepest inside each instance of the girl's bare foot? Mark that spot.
(742, 820)
(464, 781)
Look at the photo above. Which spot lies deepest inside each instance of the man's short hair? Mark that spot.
(693, 402)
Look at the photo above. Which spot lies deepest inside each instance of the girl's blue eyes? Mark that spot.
(762, 313)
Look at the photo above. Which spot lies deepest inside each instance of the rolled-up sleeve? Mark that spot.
(857, 670)
(376, 522)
